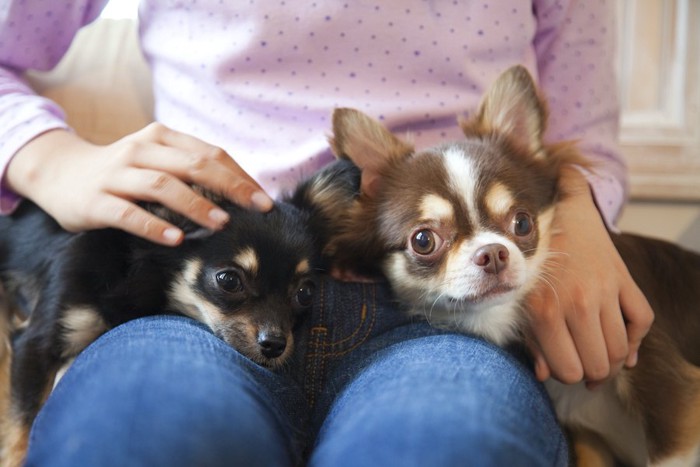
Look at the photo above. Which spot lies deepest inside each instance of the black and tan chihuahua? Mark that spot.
(247, 282)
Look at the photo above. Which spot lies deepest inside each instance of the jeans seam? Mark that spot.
(357, 342)
(320, 350)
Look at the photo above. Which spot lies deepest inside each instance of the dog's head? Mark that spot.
(460, 230)
(249, 282)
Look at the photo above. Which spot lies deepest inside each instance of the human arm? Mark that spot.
(84, 186)
(42, 160)
(589, 319)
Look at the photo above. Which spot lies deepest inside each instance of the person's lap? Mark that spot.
(165, 391)
(366, 388)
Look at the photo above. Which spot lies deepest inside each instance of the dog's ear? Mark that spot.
(368, 144)
(512, 107)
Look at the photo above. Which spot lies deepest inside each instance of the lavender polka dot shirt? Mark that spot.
(260, 78)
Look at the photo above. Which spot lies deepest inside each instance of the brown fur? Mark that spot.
(662, 393)
(16, 439)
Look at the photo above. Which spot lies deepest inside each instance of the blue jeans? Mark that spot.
(367, 386)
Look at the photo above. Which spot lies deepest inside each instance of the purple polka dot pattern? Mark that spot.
(260, 77)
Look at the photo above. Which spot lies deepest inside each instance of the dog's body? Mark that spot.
(247, 282)
(462, 233)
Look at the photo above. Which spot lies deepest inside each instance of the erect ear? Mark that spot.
(513, 107)
(368, 144)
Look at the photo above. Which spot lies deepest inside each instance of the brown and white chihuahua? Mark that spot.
(462, 233)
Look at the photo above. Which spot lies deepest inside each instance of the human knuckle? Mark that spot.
(155, 129)
(125, 214)
(542, 315)
(159, 181)
(194, 205)
(598, 371)
(128, 150)
(618, 355)
(216, 154)
(570, 374)
(199, 161)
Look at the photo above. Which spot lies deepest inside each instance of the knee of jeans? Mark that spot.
(460, 374)
(457, 354)
(454, 391)
(166, 383)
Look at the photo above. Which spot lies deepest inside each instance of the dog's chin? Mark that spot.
(493, 294)
(271, 363)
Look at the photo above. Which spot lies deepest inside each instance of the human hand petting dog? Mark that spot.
(588, 316)
(84, 186)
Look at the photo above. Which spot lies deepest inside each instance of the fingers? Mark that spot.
(556, 354)
(638, 315)
(576, 340)
(158, 165)
(615, 334)
(206, 165)
(169, 191)
(118, 213)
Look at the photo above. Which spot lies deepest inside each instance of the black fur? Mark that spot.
(47, 272)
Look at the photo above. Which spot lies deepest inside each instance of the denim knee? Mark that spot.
(165, 391)
(441, 400)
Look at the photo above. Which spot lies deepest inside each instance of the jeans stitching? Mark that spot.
(320, 350)
(368, 308)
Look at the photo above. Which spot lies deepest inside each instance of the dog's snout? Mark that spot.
(493, 258)
(271, 344)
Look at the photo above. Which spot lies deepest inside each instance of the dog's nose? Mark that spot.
(272, 345)
(493, 258)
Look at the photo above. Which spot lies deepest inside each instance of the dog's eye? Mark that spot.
(424, 242)
(522, 224)
(305, 295)
(229, 281)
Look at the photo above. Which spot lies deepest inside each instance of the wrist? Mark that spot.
(31, 167)
(572, 182)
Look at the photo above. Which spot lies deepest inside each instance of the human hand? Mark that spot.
(84, 186)
(588, 317)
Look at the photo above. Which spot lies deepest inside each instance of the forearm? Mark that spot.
(23, 116)
(575, 45)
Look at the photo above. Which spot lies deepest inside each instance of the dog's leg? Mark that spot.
(664, 389)
(33, 369)
(590, 450)
(6, 312)
(684, 447)
(5, 350)
(15, 439)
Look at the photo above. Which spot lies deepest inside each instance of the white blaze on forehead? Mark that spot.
(463, 176)
(248, 260)
(436, 207)
(499, 200)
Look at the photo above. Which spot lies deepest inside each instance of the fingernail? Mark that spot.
(261, 201)
(172, 235)
(219, 216)
(632, 360)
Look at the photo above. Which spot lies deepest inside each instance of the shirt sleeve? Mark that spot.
(575, 45)
(34, 34)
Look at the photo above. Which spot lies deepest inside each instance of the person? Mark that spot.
(244, 92)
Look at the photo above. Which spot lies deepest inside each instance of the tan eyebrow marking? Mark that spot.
(436, 207)
(248, 260)
(499, 199)
(303, 267)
